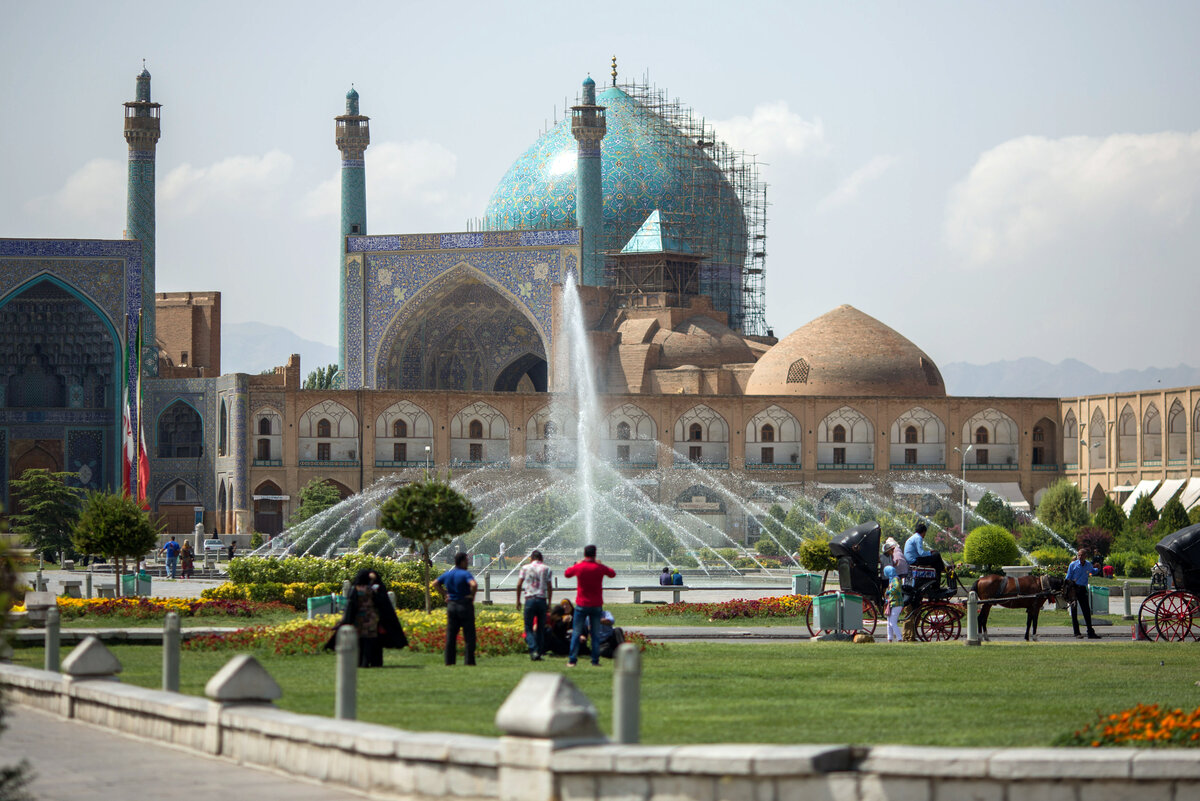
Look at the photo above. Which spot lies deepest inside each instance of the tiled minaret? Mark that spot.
(141, 133)
(352, 136)
(588, 126)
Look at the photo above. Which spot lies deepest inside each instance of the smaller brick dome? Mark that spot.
(701, 341)
(846, 352)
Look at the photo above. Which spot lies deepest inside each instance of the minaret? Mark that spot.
(142, 132)
(588, 126)
(352, 136)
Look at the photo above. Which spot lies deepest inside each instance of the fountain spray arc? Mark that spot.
(585, 404)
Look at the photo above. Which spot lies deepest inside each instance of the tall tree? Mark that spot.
(114, 526)
(1110, 517)
(321, 378)
(1062, 509)
(1172, 518)
(1142, 516)
(49, 509)
(315, 497)
(994, 509)
(430, 513)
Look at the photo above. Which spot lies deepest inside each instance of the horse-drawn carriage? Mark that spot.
(1173, 612)
(860, 572)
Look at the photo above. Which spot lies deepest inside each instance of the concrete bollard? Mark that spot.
(171, 638)
(346, 695)
(972, 619)
(392, 598)
(39, 583)
(52, 638)
(87, 583)
(487, 587)
(345, 589)
(627, 679)
(1127, 596)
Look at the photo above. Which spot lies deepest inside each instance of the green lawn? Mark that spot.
(924, 694)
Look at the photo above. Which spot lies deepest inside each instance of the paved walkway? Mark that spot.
(72, 761)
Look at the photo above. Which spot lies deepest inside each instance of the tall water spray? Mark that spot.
(582, 393)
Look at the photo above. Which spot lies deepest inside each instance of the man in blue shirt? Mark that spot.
(1078, 572)
(171, 549)
(915, 552)
(459, 586)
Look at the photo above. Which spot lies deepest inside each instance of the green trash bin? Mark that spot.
(1098, 597)
(134, 584)
(807, 584)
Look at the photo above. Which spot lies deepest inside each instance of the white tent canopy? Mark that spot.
(1166, 491)
(921, 488)
(1191, 493)
(845, 486)
(1007, 491)
(1143, 488)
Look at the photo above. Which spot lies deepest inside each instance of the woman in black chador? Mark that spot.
(370, 612)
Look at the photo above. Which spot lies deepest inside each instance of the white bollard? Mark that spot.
(171, 638)
(627, 678)
(346, 699)
(972, 619)
(52, 638)
(1128, 597)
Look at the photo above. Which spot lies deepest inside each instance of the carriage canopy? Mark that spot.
(857, 552)
(1180, 551)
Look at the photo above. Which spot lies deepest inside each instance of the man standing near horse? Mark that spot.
(1078, 572)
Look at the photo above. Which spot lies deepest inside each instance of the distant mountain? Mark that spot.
(254, 347)
(1031, 377)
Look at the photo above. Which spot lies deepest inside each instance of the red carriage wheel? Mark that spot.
(939, 622)
(871, 617)
(1175, 617)
(1147, 611)
(808, 619)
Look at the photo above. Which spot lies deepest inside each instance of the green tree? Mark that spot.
(429, 513)
(49, 509)
(1062, 509)
(321, 378)
(991, 547)
(115, 527)
(315, 497)
(1110, 517)
(1142, 516)
(942, 519)
(1194, 515)
(1173, 518)
(995, 510)
(13, 779)
(814, 555)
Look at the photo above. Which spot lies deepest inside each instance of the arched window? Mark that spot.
(1038, 434)
(695, 432)
(910, 435)
(549, 430)
(400, 429)
(981, 435)
(475, 430)
(323, 428)
(264, 426)
(768, 433)
(839, 433)
(223, 431)
(180, 432)
(622, 430)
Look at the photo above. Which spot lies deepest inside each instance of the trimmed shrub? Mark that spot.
(991, 546)
(1110, 517)
(815, 556)
(1172, 518)
(766, 547)
(1032, 536)
(1053, 559)
(1139, 566)
(408, 593)
(1142, 516)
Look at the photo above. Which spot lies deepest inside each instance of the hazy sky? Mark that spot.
(994, 180)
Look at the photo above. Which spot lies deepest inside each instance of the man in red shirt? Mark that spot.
(589, 601)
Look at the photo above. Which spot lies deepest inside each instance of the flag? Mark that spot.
(143, 459)
(128, 444)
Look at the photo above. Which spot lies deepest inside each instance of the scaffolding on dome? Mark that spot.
(740, 173)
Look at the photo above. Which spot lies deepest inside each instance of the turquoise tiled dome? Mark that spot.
(639, 174)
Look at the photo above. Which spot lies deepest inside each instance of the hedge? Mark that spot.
(296, 594)
(318, 570)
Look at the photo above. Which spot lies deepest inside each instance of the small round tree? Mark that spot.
(1110, 517)
(1172, 518)
(1062, 509)
(115, 527)
(429, 513)
(814, 555)
(1142, 516)
(990, 547)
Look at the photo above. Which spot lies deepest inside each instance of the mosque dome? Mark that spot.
(846, 352)
(701, 341)
(646, 164)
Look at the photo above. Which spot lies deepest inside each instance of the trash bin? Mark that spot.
(825, 609)
(135, 584)
(807, 584)
(852, 612)
(1098, 597)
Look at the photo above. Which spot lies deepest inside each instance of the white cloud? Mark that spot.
(257, 180)
(772, 130)
(849, 189)
(400, 176)
(1033, 197)
(94, 194)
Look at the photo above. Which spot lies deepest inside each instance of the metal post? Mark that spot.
(345, 704)
(627, 678)
(52, 623)
(346, 588)
(171, 638)
(1126, 594)
(972, 619)
(841, 612)
(39, 582)
(487, 586)
(87, 583)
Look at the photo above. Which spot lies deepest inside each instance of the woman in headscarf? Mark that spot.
(370, 612)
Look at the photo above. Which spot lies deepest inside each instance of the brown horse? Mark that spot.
(1024, 592)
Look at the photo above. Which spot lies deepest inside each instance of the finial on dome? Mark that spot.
(614, 70)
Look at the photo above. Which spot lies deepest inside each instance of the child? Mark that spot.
(894, 602)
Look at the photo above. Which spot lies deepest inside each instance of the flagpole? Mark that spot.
(137, 429)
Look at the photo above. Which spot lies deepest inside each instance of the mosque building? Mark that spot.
(451, 346)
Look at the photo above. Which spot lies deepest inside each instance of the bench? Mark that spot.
(674, 589)
(72, 588)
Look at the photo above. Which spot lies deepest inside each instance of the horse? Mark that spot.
(1024, 592)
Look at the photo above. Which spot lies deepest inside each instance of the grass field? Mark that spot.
(926, 694)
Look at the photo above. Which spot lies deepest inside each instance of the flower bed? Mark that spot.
(409, 595)
(147, 608)
(1145, 725)
(778, 606)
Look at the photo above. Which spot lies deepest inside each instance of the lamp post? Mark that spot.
(964, 486)
(427, 452)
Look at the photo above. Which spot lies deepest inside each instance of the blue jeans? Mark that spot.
(592, 615)
(536, 609)
(172, 561)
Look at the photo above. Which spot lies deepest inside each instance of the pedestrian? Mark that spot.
(459, 586)
(232, 549)
(589, 600)
(371, 614)
(894, 602)
(1078, 572)
(171, 549)
(534, 579)
(500, 556)
(187, 560)
(895, 555)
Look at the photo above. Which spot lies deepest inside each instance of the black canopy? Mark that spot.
(1180, 551)
(860, 543)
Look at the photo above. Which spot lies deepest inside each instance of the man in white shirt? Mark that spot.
(534, 579)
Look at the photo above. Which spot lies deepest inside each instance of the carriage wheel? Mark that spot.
(1175, 617)
(871, 617)
(808, 620)
(1146, 613)
(939, 622)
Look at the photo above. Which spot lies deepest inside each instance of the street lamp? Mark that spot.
(427, 451)
(964, 486)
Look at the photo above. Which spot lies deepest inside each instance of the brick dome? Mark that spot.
(846, 352)
(701, 341)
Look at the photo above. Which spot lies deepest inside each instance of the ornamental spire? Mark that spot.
(614, 70)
